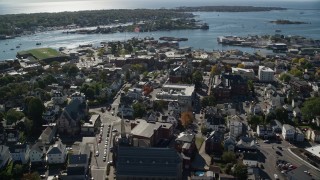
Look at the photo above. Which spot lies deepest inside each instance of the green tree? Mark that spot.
(13, 116)
(228, 157)
(197, 79)
(90, 92)
(240, 66)
(208, 101)
(296, 72)
(282, 115)
(17, 170)
(240, 171)
(285, 77)
(250, 85)
(138, 110)
(215, 70)
(35, 111)
(254, 121)
(73, 70)
(310, 109)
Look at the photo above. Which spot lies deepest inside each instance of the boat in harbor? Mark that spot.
(38, 44)
(17, 47)
(277, 30)
(172, 39)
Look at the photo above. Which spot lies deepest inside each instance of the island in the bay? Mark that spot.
(122, 20)
(285, 21)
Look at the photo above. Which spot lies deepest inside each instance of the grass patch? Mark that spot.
(199, 141)
(41, 53)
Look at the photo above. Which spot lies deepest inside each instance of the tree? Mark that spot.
(285, 77)
(138, 110)
(127, 75)
(35, 111)
(186, 118)
(13, 116)
(204, 63)
(311, 108)
(296, 72)
(282, 115)
(228, 157)
(254, 121)
(240, 66)
(197, 79)
(31, 176)
(215, 70)
(73, 70)
(90, 92)
(208, 101)
(250, 85)
(17, 170)
(240, 171)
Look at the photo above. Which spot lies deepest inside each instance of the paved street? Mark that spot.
(269, 158)
(98, 166)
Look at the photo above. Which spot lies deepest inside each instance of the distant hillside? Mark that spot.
(228, 9)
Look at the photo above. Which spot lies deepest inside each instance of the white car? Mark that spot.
(97, 153)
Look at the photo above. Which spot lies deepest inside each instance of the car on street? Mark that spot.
(114, 130)
(276, 176)
(104, 158)
(266, 141)
(279, 153)
(97, 153)
(279, 148)
(43, 176)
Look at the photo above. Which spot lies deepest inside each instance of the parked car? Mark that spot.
(97, 153)
(279, 153)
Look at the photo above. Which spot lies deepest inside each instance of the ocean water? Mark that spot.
(238, 24)
(34, 6)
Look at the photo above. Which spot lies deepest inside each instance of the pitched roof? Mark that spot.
(74, 108)
(3, 150)
(56, 148)
(185, 137)
(36, 147)
(246, 142)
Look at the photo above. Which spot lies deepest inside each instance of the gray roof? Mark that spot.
(155, 162)
(146, 129)
(78, 159)
(250, 156)
(74, 108)
(36, 147)
(287, 127)
(56, 148)
(185, 137)
(3, 149)
(247, 143)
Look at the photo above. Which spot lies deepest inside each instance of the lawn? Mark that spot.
(42, 53)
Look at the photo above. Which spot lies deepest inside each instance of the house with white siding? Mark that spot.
(57, 153)
(37, 153)
(235, 125)
(288, 132)
(20, 153)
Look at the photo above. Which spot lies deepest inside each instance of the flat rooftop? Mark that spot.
(315, 150)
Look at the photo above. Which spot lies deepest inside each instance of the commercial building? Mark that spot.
(148, 163)
(265, 74)
(182, 93)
